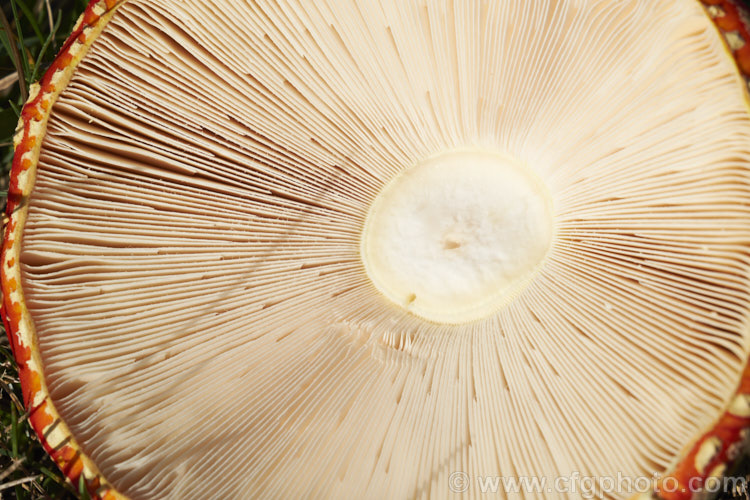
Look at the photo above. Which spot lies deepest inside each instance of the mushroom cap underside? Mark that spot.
(211, 287)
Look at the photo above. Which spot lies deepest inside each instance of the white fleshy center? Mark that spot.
(453, 237)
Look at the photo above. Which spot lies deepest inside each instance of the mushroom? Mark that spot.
(386, 249)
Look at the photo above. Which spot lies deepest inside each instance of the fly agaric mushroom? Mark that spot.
(386, 249)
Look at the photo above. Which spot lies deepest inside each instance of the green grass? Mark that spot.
(31, 32)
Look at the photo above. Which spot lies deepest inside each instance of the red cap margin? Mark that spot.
(44, 418)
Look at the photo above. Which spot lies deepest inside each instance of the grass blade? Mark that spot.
(20, 45)
(13, 431)
(13, 49)
(30, 17)
(15, 108)
(49, 14)
(45, 46)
